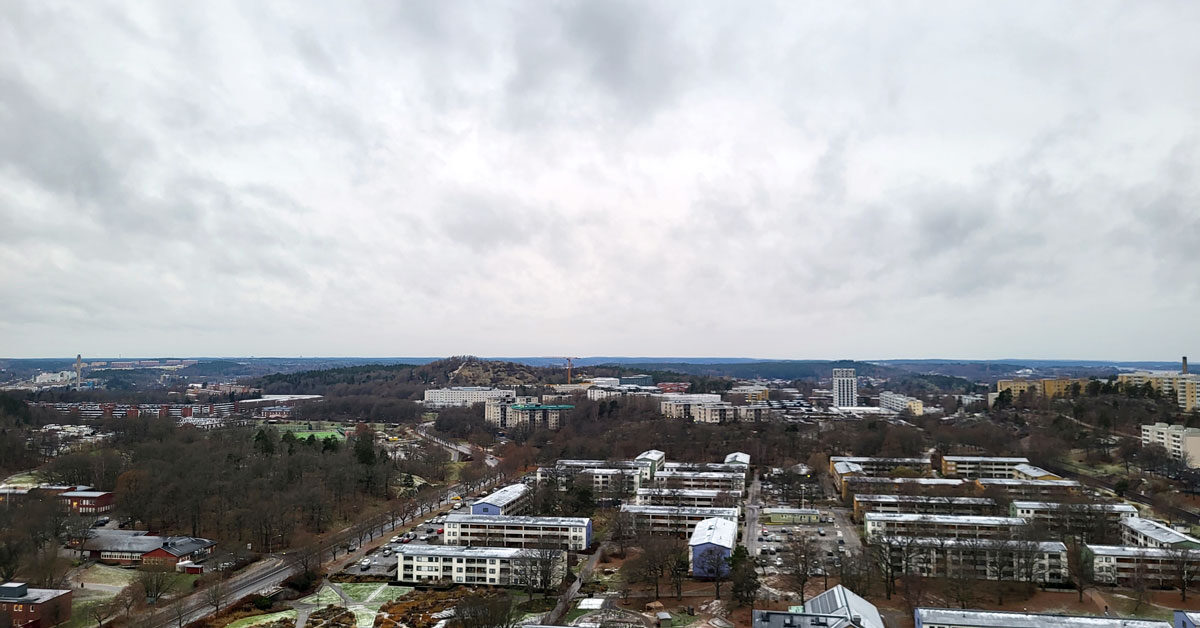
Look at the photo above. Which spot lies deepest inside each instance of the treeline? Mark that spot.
(240, 485)
(18, 451)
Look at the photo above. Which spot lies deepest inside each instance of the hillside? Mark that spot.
(407, 381)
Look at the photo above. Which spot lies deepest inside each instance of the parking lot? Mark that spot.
(382, 561)
(834, 533)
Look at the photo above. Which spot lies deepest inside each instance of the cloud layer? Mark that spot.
(776, 180)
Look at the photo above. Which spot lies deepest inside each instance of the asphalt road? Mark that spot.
(753, 508)
(423, 432)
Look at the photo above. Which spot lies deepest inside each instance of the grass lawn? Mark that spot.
(360, 591)
(246, 622)
(573, 614)
(324, 597)
(453, 470)
(25, 478)
(109, 575)
(365, 616)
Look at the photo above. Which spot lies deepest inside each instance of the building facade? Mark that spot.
(1182, 443)
(514, 499)
(1124, 564)
(980, 466)
(923, 505)
(901, 403)
(1139, 532)
(1041, 562)
(882, 524)
(674, 519)
(464, 396)
(845, 388)
(496, 566)
(26, 607)
(967, 618)
(567, 533)
(710, 546)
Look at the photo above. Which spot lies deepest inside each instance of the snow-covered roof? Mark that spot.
(1158, 532)
(716, 531)
(901, 517)
(737, 457)
(1006, 619)
(504, 496)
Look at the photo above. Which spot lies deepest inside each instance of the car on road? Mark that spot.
(821, 531)
(387, 552)
(364, 564)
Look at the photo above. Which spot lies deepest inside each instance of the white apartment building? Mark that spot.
(923, 505)
(1056, 514)
(1046, 490)
(726, 412)
(1182, 443)
(499, 566)
(884, 524)
(845, 388)
(674, 519)
(984, 559)
(1140, 532)
(704, 498)
(568, 533)
(1118, 564)
(464, 396)
(899, 403)
(712, 480)
(980, 466)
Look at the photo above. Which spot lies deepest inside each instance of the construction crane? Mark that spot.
(570, 365)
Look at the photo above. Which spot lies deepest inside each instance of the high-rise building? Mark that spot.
(845, 388)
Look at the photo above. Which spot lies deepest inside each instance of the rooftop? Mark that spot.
(1159, 532)
(464, 551)
(985, 459)
(1134, 550)
(687, 492)
(141, 542)
(1011, 482)
(504, 496)
(881, 460)
(1033, 505)
(791, 511)
(926, 481)
(835, 608)
(1005, 619)
(21, 593)
(1029, 469)
(680, 510)
(715, 530)
(679, 473)
(515, 520)
(923, 499)
(974, 543)
(903, 517)
(737, 457)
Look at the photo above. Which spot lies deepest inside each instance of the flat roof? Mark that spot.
(1136, 550)
(923, 499)
(715, 530)
(689, 492)
(931, 481)
(504, 496)
(680, 510)
(84, 494)
(1035, 505)
(980, 543)
(901, 517)
(862, 459)
(1157, 531)
(678, 473)
(517, 520)
(791, 511)
(1029, 469)
(1012, 482)
(985, 459)
(32, 596)
(464, 551)
(1006, 619)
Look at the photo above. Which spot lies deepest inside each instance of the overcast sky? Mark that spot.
(792, 180)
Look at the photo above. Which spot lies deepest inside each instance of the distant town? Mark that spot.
(570, 492)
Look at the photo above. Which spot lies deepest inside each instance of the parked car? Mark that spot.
(821, 531)
(364, 564)
(387, 552)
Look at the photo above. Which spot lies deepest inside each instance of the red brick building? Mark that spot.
(135, 547)
(88, 502)
(34, 608)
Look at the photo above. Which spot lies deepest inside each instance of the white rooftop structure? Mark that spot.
(1036, 505)
(921, 499)
(463, 551)
(902, 517)
(652, 455)
(680, 510)
(1012, 482)
(504, 496)
(737, 457)
(1135, 550)
(1030, 470)
(838, 607)
(1158, 532)
(517, 520)
(996, 459)
(717, 531)
(1005, 619)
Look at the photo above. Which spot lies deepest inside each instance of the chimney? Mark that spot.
(1185, 365)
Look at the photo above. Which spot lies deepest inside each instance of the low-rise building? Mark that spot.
(88, 502)
(136, 548)
(1140, 532)
(1124, 564)
(705, 498)
(712, 480)
(1104, 519)
(568, 533)
(497, 566)
(883, 524)
(514, 499)
(967, 618)
(1041, 562)
(923, 505)
(980, 466)
(791, 515)
(852, 486)
(674, 519)
(710, 546)
(739, 458)
(1048, 490)
(25, 607)
(901, 403)
(1031, 472)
